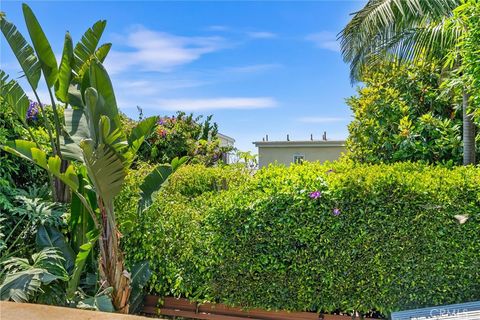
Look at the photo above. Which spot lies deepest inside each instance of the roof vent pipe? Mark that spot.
(288, 137)
(311, 136)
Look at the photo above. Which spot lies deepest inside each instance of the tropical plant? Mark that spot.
(91, 135)
(407, 30)
(23, 279)
(95, 140)
(40, 60)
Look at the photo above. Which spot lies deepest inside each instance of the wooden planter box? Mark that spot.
(209, 311)
(29, 311)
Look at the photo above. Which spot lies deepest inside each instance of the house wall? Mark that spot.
(284, 155)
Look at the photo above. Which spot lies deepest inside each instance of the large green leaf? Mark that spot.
(22, 51)
(99, 303)
(141, 131)
(23, 280)
(140, 275)
(80, 222)
(48, 236)
(42, 47)
(86, 48)
(65, 70)
(14, 96)
(19, 286)
(80, 262)
(156, 179)
(100, 54)
(77, 129)
(105, 169)
(107, 104)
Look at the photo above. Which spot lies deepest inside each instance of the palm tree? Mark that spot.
(406, 30)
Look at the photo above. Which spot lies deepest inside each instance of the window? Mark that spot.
(298, 158)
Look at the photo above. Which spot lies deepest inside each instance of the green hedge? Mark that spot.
(264, 242)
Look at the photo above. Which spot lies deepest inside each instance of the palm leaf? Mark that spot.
(42, 47)
(384, 23)
(22, 51)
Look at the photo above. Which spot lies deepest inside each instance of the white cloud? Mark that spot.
(254, 68)
(217, 103)
(261, 35)
(321, 119)
(324, 40)
(217, 28)
(153, 87)
(149, 50)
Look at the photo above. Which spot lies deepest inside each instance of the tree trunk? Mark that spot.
(112, 262)
(468, 133)
(62, 192)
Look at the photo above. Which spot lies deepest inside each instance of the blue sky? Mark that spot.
(260, 67)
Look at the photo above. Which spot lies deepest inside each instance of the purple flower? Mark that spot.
(160, 121)
(336, 212)
(331, 171)
(315, 194)
(32, 112)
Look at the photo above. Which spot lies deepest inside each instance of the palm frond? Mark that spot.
(383, 24)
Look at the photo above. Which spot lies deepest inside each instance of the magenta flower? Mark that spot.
(336, 212)
(315, 194)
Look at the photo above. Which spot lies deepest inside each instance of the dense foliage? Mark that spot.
(468, 16)
(329, 237)
(404, 113)
(184, 135)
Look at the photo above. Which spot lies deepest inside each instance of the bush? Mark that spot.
(404, 113)
(381, 237)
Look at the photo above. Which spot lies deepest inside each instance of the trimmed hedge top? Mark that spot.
(332, 237)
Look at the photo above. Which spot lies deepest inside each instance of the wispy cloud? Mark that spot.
(254, 68)
(153, 87)
(149, 50)
(321, 119)
(261, 35)
(217, 28)
(238, 103)
(324, 40)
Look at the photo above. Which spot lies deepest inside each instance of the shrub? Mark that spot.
(403, 113)
(184, 135)
(374, 237)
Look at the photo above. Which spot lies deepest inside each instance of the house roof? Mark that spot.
(225, 137)
(305, 143)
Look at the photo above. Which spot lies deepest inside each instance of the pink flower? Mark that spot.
(315, 194)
